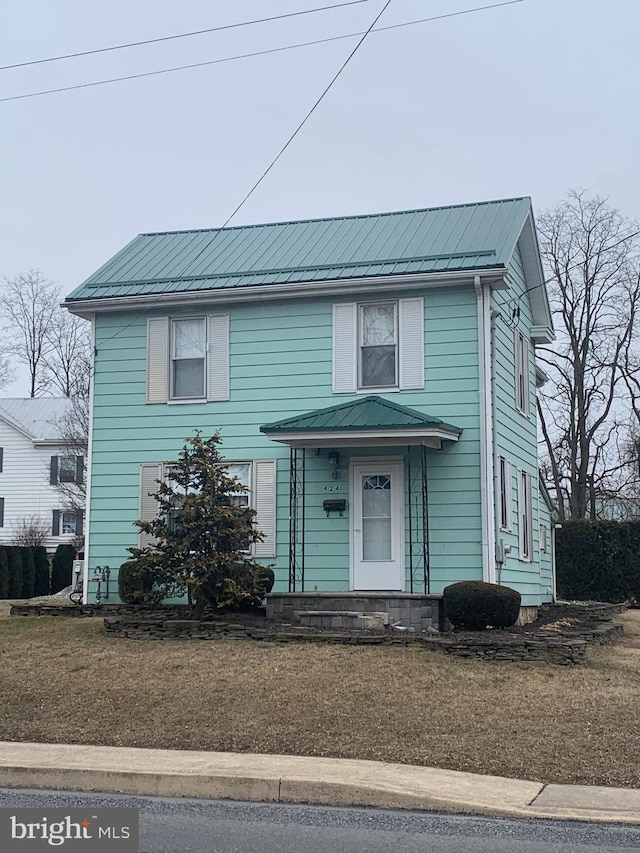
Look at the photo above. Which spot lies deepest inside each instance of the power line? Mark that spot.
(308, 115)
(179, 35)
(254, 53)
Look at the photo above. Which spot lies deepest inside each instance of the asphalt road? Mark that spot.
(204, 826)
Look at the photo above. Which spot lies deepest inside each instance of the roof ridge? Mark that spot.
(351, 217)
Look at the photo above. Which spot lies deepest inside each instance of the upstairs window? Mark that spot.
(525, 517)
(378, 345)
(188, 358)
(522, 392)
(505, 480)
(66, 469)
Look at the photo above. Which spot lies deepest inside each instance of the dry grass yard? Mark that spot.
(63, 681)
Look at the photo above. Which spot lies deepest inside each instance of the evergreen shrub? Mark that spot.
(475, 605)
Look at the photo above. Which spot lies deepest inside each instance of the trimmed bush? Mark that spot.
(62, 567)
(4, 572)
(266, 579)
(135, 586)
(15, 572)
(42, 570)
(474, 605)
(598, 561)
(28, 571)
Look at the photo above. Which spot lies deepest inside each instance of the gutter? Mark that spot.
(487, 501)
(496, 277)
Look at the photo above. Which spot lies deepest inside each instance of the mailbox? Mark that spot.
(334, 505)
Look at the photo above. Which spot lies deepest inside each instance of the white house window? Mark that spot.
(525, 516)
(505, 478)
(66, 469)
(378, 345)
(188, 358)
(242, 472)
(68, 523)
(522, 373)
(543, 538)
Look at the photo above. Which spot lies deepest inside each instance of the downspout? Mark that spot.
(92, 369)
(487, 503)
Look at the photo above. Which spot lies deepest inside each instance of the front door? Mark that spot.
(377, 526)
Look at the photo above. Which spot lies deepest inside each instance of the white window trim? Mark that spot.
(525, 505)
(522, 370)
(205, 360)
(505, 487)
(371, 389)
(543, 539)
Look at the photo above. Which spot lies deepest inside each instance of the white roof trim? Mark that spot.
(430, 437)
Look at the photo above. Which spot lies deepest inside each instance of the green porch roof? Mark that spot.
(467, 237)
(371, 413)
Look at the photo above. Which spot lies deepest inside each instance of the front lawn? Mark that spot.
(63, 681)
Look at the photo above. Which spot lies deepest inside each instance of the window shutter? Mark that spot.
(1, 512)
(79, 469)
(509, 480)
(411, 326)
(79, 522)
(264, 477)
(1, 458)
(55, 527)
(521, 499)
(158, 360)
(149, 476)
(53, 473)
(344, 348)
(218, 357)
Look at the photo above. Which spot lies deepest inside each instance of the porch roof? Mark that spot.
(370, 420)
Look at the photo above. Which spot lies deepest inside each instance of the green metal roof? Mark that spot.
(441, 239)
(367, 413)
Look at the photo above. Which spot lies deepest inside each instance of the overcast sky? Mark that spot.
(526, 99)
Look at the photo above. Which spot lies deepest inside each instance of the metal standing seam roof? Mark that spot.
(38, 417)
(367, 413)
(470, 237)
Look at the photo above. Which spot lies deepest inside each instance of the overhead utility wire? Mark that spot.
(179, 35)
(279, 154)
(308, 115)
(254, 53)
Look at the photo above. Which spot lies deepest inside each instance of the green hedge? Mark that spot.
(42, 571)
(475, 605)
(598, 561)
(14, 587)
(62, 567)
(28, 572)
(4, 572)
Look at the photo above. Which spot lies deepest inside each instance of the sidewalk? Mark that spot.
(293, 779)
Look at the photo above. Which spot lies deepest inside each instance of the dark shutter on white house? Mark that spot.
(53, 473)
(55, 526)
(79, 470)
(1, 458)
(79, 522)
(1, 512)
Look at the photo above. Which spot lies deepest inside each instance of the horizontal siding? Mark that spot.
(515, 434)
(280, 366)
(24, 485)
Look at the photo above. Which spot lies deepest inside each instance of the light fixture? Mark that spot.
(334, 461)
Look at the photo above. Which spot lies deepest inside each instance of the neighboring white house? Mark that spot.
(33, 459)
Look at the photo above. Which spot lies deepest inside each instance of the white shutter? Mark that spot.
(509, 481)
(344, 348)
(157, 360)
(411, 328)
(521, 507)
(218, 357)
(149, 475)
(264, 486)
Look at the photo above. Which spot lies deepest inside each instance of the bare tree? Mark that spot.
(30, 531)
(74, 432)
(591, 253)
(6, 371)
(30, 302)
(66, 360)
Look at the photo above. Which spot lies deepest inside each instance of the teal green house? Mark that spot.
(374, 381)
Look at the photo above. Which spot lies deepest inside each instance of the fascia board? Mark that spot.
(353, 436)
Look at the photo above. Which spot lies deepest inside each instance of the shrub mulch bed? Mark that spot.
(560, 635)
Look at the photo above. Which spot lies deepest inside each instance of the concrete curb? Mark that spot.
(296, 779)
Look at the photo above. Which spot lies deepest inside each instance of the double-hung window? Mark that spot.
(242, 472)
(378, 328)
(525, 516)
(378, 346)
(522, 373)
(188, 358)
(504, 480)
